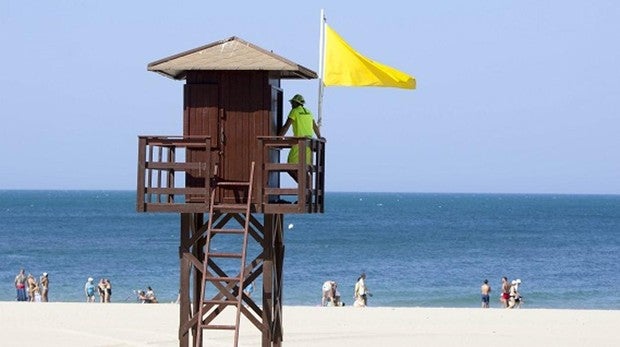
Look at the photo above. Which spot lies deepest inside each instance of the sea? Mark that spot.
(417, 250)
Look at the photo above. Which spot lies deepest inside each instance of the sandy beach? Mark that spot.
(80, 324)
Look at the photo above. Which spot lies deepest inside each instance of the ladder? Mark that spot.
(230, 288)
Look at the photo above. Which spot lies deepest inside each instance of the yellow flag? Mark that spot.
(344, 66)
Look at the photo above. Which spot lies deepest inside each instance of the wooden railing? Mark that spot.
(162, 163)
(308, 195)
(164, 173)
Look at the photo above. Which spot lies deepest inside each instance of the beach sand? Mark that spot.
(81, 324)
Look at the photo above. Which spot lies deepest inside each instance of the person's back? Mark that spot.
(303, 122)
(485, 289)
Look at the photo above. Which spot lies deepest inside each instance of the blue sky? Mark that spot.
(512, 97)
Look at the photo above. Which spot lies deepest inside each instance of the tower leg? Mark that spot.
(272, 279)
(189, 292)
(191, 255)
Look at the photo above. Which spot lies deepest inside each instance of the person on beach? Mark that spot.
(505, 292)
(150, 295)
(32, 287)
(337, 301)
(89, 290)
(108, 291)
(101, 289)
(361, 292)
(485, 290)
(142, 297)
(20, 285)
(304, 125)
(515, 296)
(44, 281)
(328, 293)
(147, 297)
(249, 290)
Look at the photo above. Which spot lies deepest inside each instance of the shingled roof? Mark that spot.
(229, 54)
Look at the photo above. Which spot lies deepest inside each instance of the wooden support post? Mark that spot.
(272, 279)
(189, 292)
(184, 305)
(268, 279)
(279, 262)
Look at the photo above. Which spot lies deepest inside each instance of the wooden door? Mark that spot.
(201, 116)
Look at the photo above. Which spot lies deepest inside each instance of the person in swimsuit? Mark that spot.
(101, 290)
(20, 285)
(515, 296)
(361, 292)
(485, 289)
(328, 293)
(89, 290)
(32, 287)
(505, 292)
(108, 291)
(44, 281)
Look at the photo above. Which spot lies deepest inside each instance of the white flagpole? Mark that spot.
(321, 68)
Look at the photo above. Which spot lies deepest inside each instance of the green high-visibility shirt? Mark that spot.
(303, 121)
(303, 126)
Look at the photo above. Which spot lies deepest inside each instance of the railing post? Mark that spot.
(208, 170)
(170, 175)
(260, 173)
(141, 171)
(302, 173)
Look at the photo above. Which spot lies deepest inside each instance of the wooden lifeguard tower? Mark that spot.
(220, 176)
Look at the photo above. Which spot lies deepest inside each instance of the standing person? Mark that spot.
(505, 291)
(108, 290)
(101, 290)
(89, 290)
(32, 287)
(361, 292)
(249, 290)
(304, 125)
(328, 293)
(20, 285)
(515, 296)
(485, 289)
(44, 281)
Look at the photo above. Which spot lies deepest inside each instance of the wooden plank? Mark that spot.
(177, 208)
(177, 191)
(178, 166)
